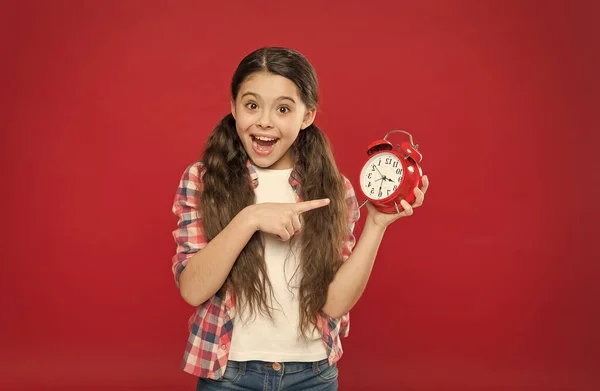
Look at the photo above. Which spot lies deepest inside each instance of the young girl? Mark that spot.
(265, 244)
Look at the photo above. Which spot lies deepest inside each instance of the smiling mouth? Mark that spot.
(263, 145)
(262, 140)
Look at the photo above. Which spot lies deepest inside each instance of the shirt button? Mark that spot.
(223, 346)
(276, 366)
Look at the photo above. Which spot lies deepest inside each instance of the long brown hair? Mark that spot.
(227, 190)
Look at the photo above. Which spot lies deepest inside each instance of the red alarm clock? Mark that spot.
(389, 175)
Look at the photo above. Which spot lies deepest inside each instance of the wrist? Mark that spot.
(371, 224)
(247, 216)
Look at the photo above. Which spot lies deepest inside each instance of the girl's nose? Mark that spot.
(264, 122)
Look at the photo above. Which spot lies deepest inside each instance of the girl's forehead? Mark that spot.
(269, 86)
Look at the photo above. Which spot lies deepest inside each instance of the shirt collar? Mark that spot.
(294, 177)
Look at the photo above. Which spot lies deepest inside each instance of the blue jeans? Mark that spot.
(267, 376)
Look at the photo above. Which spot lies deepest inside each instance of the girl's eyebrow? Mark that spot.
(258, 97)
(286, 97)
(250, 93)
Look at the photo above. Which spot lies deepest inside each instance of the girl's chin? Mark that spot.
(272, 162)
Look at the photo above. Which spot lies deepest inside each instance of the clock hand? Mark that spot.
(378, 170)
(382, 176)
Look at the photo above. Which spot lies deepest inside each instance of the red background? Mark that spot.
(492, 285)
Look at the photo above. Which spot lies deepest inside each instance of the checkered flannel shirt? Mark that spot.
(210, 326)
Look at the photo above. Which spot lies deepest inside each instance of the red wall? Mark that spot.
(492, 285)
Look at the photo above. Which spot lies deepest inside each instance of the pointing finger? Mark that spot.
(305, 206)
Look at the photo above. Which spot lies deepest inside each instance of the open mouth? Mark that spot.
(263, 145)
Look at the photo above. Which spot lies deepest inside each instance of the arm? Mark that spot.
(207, 270)
(351, 278)
(201, 268)
(200, 274)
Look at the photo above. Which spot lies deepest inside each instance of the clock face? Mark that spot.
(381, 176)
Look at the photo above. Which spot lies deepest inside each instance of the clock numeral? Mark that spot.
(388, 192)
(399, 178)
(379, 164)
(380, 194)
(395, 187)
(372, 191)
(373, 167)
(369, 184)
(395, 164)
(388, 160)
(369, 176)
(398, 171)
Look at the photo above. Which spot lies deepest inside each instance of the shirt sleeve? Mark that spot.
(353, 216)
(189, 235)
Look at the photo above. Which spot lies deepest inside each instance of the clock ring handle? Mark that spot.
(396, 205)
(415, 146)
(365, 201)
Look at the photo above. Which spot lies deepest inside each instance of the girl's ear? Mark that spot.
(232, 108)
(309, 118)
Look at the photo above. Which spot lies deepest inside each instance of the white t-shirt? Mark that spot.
(257, 337)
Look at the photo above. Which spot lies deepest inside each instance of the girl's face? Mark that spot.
(269, 114)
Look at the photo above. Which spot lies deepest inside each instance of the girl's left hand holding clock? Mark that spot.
(382, 220)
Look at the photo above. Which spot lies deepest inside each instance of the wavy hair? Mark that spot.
(227, 190)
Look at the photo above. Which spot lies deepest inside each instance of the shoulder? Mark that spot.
(192, 176)
(348, 187)
(351, 200)
(195, 170)
(352, 205)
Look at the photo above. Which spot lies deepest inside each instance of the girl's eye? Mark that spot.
(284, 109)
(251, 105)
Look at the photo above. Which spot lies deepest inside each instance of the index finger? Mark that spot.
(305, 206)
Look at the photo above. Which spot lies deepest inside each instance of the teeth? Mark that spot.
(264, 138)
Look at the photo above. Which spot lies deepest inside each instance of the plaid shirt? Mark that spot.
(211, 325)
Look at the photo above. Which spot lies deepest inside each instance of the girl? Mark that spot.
(265, 244)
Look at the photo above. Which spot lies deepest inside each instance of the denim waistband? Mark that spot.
(284, 367)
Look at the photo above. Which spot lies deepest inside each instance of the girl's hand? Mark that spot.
(384, 219)
(282, 220)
